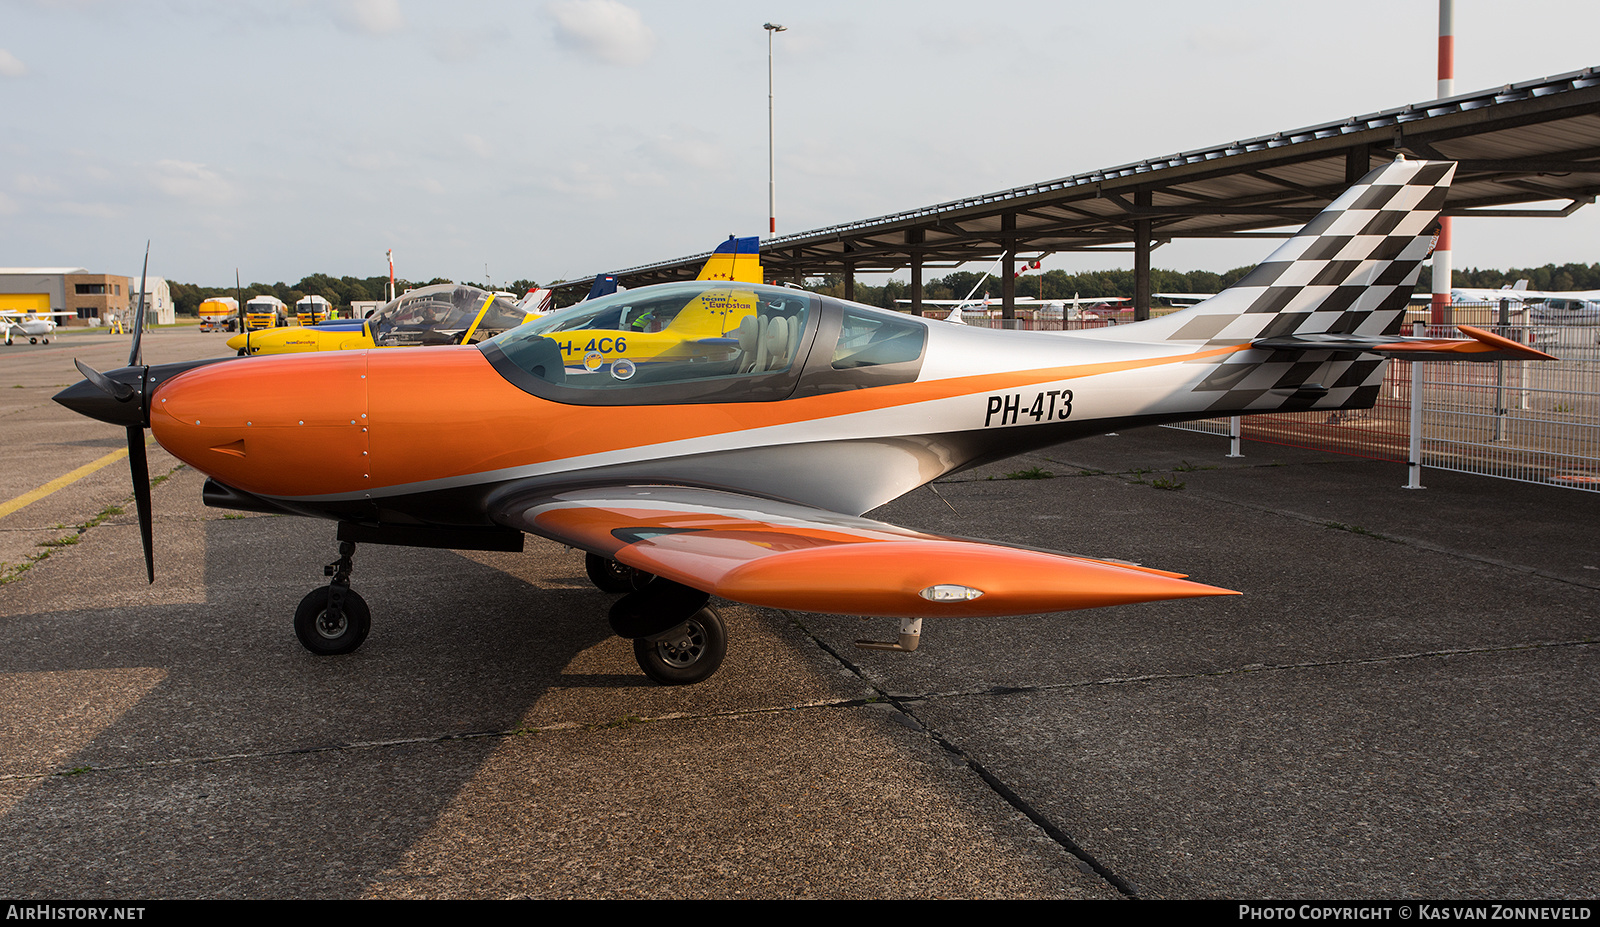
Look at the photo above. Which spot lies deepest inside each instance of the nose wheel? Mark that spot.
(334, 619)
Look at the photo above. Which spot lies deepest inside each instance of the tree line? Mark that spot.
(1548, 277)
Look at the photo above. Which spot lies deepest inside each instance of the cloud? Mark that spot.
(193, 182)
(688, 148)
(583, 182)
(372, 17)
(10, 66)
(606, 29)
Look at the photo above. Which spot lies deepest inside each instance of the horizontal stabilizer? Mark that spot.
(1481, 346)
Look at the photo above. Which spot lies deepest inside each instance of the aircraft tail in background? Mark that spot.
(736, 259)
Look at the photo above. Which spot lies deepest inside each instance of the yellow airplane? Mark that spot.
(445, 313)
(711, 325)
(706, 327)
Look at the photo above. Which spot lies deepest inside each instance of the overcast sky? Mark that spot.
(548, 140)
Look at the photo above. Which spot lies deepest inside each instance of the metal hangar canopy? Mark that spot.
(1536, 141)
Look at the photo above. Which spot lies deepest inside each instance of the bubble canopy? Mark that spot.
(703, 341)
(442, 314)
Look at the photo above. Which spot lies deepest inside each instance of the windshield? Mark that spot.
(442, 314)
(675, 332)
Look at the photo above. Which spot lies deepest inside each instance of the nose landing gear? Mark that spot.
(334, 619)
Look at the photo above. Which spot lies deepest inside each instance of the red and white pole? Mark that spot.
(1447, 88)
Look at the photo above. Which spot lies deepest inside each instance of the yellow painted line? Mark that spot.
(62, 482)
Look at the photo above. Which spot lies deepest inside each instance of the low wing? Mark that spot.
(764, 552)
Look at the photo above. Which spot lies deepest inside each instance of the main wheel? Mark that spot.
(687, 654)
(327, 633)
(611, 576)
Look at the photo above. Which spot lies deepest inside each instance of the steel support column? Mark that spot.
(1008, 272)
(914, 238)
(1141, 260)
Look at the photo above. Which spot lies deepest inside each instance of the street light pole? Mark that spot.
(772, 184)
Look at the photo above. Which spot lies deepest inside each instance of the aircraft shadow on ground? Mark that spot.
(459, 649)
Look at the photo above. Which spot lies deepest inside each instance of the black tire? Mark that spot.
(611, 576)
(329, 635)
(671, 665)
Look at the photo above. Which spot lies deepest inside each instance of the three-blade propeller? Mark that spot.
(130, 408)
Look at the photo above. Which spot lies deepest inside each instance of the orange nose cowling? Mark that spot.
(291, 425)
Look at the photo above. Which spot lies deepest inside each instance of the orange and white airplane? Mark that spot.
(746, 476)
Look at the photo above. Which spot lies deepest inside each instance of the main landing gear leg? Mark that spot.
(334, 619)
(677, 638)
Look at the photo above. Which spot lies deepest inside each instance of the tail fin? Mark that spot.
(604, 285)
(736, 259)
(1349, 271)
(1313, 311)
(537, 301)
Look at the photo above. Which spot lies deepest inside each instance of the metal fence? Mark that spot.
(1536, 421)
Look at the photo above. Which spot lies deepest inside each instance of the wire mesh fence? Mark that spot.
(1536, 421)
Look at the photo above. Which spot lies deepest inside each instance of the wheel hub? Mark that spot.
(331, 625)
(684, 648)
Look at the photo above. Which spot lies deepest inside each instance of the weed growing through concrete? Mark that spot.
(1032, 473)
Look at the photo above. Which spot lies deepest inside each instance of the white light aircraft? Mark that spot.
(35, 326)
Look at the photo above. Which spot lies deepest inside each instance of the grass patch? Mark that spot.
(1032, 473)
(11, 572)
(1162, 482)
(618, 723)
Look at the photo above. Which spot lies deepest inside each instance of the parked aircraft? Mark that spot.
(1549, 307)
(1566, 311)
(1516, 292)
(746, 476)
(617, 335)
(445, 313)
(34, 326)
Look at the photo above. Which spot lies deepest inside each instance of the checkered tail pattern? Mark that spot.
(1350, 271)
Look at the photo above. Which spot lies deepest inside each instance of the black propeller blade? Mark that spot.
(138, 465)
(136, 355)
(127, 390)
(116, 389)
(140, 468)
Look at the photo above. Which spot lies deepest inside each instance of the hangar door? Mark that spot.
(25, 302)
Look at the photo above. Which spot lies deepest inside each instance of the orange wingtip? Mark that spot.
(1505, 344)
(889, 578)
(1479, 342)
